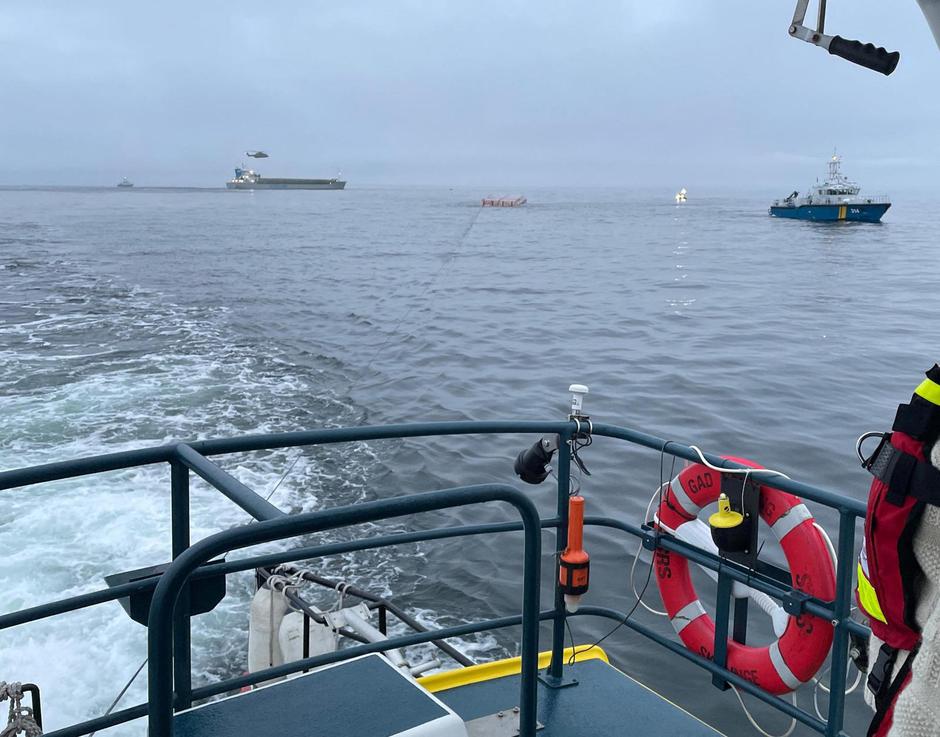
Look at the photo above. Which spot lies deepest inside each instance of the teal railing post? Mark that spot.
(179, 505)
(841, 608)
(722, 610)
(556, 666)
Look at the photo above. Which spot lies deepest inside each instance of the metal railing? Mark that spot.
(170, 678)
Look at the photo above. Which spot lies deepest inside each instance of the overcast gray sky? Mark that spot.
(629, 93)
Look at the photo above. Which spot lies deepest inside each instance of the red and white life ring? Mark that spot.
(797, 655)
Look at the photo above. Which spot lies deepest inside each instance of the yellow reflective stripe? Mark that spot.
(868, 598)
(499, 668)
(929, 391)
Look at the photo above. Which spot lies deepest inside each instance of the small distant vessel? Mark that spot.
(518, 201)
(250, 179)
(681, 195)
(125, 182)
(835, 199)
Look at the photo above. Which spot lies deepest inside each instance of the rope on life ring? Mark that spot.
(798, 654)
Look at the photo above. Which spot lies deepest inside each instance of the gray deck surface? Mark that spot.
(366, 698)
(361, 698)
(604, 703)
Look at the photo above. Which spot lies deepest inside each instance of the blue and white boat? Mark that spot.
(837, 198)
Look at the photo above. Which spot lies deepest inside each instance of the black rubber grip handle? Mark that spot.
(867, 55)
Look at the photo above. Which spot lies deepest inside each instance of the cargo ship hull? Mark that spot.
(272, 183)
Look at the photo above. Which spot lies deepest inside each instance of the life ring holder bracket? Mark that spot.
(794, 602)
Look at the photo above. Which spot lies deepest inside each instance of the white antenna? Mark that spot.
(578, 391)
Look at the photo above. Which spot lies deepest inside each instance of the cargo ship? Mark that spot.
(250, 179)
(835, 199)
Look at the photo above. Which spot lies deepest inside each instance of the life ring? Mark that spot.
(800, 651)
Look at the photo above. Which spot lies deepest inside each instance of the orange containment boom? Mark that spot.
(503, 201)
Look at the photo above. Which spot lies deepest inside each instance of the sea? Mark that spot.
(133, 318)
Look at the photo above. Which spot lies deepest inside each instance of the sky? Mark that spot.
(394, 92)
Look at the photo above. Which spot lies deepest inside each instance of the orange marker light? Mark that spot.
(575, 565)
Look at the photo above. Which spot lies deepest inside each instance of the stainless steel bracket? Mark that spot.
(501, 724)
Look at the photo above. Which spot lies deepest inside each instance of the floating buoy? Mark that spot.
(729, 532)
(574, 569)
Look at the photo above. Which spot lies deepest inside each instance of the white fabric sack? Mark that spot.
(917, 711)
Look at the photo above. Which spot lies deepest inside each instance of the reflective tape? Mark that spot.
(688, 614)
(682, 499)
(783, 670)
(863, 559)
(790, 520)
(867, 598)
(929, 391)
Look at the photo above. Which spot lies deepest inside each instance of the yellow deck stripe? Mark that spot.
(500, 668)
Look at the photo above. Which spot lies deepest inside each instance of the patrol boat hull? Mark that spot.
(865, 213)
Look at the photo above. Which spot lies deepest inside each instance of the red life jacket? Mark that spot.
(889, 576)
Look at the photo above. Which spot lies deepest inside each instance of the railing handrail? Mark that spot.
(184, 458)
(119, 460)
(168, 590)
(816, 494)
(246, 443)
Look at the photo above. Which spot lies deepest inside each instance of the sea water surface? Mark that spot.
(133, 318)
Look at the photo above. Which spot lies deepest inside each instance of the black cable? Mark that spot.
(649, 572)
(448, 259)
(123, 691)
(570, 636)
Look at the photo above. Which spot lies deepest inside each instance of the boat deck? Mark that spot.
(605, 702)
(367, 696)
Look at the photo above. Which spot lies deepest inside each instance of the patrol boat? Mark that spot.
(301, 680)
(835, 199)
(250, 179)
